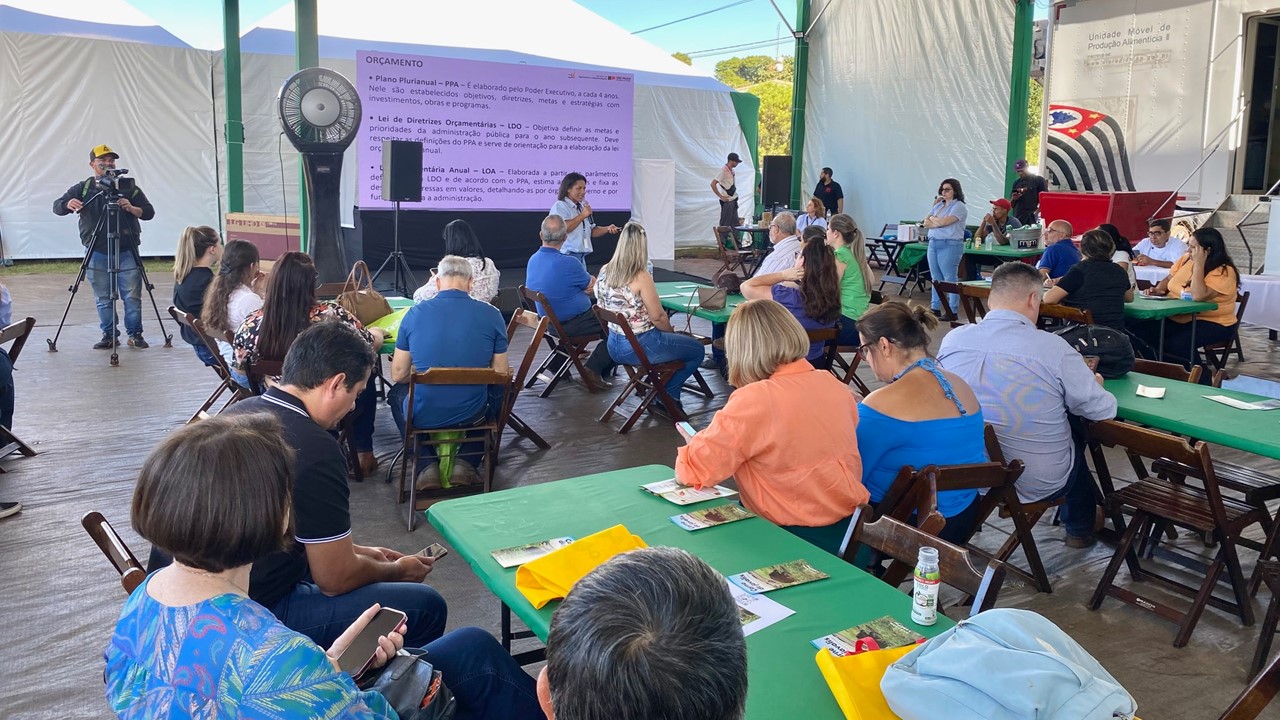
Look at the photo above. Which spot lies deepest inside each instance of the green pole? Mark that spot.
(799, 91)
(1019, 90)
(307, 44)
(233, 131)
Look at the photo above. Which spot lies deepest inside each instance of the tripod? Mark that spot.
(403, 275)
(111, 218)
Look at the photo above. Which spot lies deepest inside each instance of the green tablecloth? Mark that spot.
(784, 680)
(910, 254)
(688, 300)
(1142, 308)
(1185, 411)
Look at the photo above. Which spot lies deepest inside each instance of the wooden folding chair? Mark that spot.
(17, 333)
(1155, 500)
(226, 382)
(1255, 698)
(329, 291)
(487, 432)
(828, 337)
(1064, 313)
(646, 380)
(1168, 371)
(1217, 353)
(1025, 516)
(258, 372)
(566, 350)
(732, 259)
(109, 542)
(902, 542)
(1269, 573)
(509, 418)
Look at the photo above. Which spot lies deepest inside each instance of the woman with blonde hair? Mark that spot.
(625, 286)
(198, 249)
(788, 434)
(850, 247)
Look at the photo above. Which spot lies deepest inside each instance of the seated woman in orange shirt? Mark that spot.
(788, 434)
(1205, 274)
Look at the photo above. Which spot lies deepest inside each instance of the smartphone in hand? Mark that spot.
(356, 658)
(434, 551)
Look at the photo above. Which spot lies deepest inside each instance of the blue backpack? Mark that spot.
(1004, 664)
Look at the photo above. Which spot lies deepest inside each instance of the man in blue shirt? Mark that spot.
(450, 330)
(567, 287)
(1060, 253)
(1033, 388)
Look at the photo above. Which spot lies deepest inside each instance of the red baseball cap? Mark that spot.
(1002, 203)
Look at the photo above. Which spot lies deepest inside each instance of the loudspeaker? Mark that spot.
(402, 170)
(776, 181)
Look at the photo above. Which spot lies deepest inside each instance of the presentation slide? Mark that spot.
(496, 136)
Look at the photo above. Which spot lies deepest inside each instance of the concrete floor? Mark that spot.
(94, 424)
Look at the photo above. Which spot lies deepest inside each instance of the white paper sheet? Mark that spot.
(758, 611)
(1155, 393)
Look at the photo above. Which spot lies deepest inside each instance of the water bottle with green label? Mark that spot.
(924, 600)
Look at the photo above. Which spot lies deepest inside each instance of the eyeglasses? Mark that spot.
(1157, 233)
(947, 189)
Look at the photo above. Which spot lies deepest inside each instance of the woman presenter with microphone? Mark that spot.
(576, 211)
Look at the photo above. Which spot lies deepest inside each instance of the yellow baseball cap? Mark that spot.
(102, 151)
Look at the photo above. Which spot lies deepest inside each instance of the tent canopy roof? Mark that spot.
(114, 20)
(550, 32)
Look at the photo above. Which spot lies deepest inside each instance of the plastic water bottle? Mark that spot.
(989, 242)
(924, 601)
(648, 265)
(1186, 295)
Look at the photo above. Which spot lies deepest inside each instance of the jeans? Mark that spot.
(129, 283)
(6, 390)
(661, 347)
(1079, 509)
(585, 325)
(944, 264)
(486, 681)
(323, 619)
(848, 332)
(205, 355)
(580, 256)
(365, 413)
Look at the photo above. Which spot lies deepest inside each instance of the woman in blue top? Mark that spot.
(946, 239)
(191, 644)
(922, 416)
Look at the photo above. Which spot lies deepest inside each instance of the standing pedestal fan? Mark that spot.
(320, 113)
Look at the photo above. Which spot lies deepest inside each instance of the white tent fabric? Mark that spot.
(905, 93)
(65, 94)
(681, 114)
(166, 114)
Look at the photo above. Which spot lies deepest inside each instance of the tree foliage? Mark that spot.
(1035, 105)
(740, 72)
(775, 116)
(682, 57)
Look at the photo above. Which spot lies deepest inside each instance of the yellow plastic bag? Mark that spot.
(551, 576)
(855, 681)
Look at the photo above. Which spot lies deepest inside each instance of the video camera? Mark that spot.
(113, 183)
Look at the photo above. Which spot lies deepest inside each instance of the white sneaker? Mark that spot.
(429, 478)
(464, 473)
(10, 508)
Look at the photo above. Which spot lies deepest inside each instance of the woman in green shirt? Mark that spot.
(850, 247)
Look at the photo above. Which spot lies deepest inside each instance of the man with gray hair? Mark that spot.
(567, 287)
(450, 330)
(786, 245)
(652, 633)
(1034, 389)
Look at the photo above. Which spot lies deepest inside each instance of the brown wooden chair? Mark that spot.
(1255, 698)
(902, 542)
(226, 382)
(109, 542)
(828, 337)
(912, 498)
(566, 350)
(1065, 313)
(1025, 516)
(329, 291)
(1217, 353)
(732, 258)
(509, 418)
(16, 333)
(944, 288)
(1155, 500)
(1168, 371)
(646, 380)
(487, 432)
(1144, 284)
(1269, 573)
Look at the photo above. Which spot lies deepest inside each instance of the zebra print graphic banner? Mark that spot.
(1086, 151)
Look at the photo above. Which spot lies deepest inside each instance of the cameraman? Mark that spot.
(90, 202)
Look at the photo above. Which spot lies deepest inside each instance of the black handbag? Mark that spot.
(413, 687)
(1112, 348)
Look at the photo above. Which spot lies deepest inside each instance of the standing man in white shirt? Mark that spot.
(1160, 249)
(571, 204)
(726, 189)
